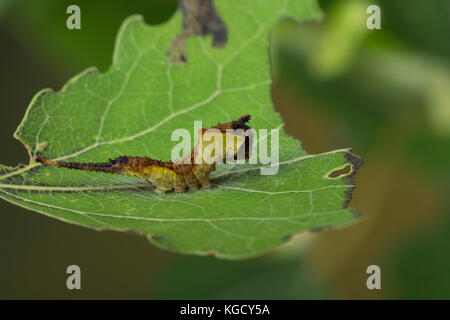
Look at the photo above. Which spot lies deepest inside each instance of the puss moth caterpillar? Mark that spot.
(190, 171)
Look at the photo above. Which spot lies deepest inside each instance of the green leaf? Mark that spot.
(133, 108)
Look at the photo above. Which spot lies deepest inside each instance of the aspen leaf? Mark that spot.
(132, 109)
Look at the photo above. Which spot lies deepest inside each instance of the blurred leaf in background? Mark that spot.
(386, 94)
(420, 268)
(281, 275)
(42, 27)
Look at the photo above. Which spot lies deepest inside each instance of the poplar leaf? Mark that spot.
(163, 78)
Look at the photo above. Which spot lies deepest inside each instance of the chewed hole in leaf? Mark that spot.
(341, 172)
(200, 17)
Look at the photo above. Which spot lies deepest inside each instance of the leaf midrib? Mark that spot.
(222, 174)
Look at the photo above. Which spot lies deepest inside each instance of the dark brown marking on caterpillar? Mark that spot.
(166, 175)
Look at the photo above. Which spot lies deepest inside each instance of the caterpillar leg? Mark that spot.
(179, 184)
(162, 178)
(202, 175)
(191, 180)
(161, 190)
(205, 183)
(193, 187)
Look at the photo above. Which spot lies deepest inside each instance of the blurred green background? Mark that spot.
(386, 93)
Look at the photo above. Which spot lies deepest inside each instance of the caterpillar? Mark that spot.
(190, 172)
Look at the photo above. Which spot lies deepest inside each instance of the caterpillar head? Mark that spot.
(225, 141)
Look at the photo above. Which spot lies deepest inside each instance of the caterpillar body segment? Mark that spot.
(190, 172)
